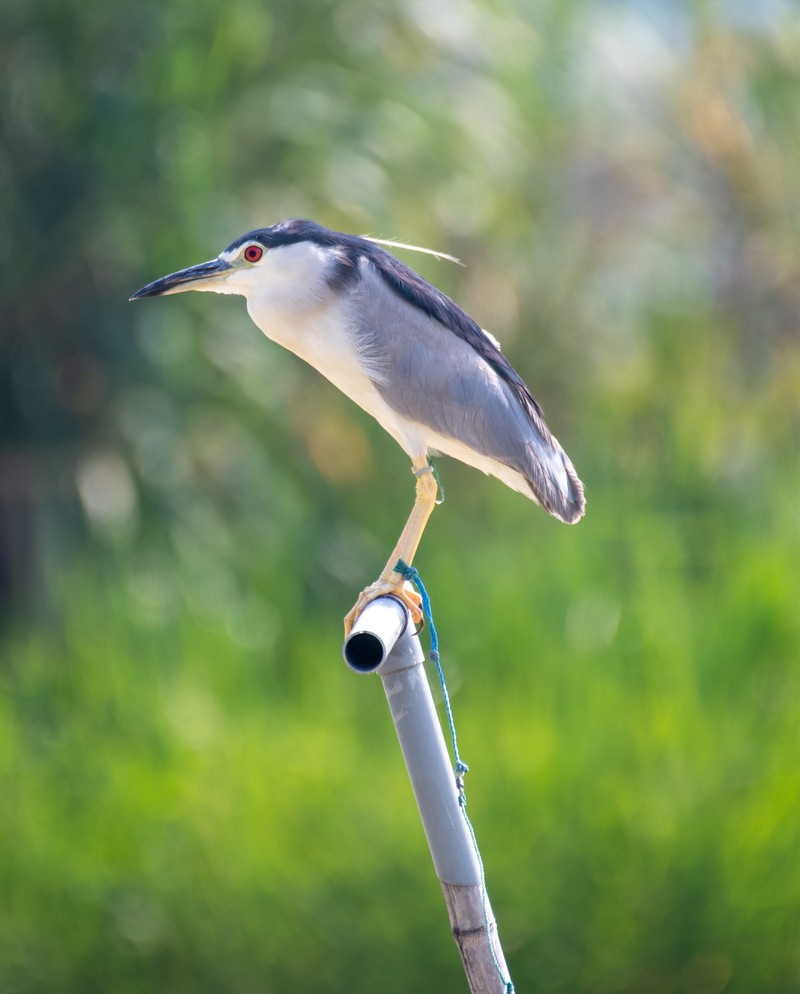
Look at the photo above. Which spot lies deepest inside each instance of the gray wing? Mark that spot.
(430, 374)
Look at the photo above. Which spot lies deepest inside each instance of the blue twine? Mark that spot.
(410, 573)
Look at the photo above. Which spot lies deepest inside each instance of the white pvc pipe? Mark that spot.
(374, 634)
(383, 640)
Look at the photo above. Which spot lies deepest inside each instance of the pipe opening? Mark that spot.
(364, 652)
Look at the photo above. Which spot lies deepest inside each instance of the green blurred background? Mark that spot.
(197, 795)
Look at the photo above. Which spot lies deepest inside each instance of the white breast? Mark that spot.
(296, 308)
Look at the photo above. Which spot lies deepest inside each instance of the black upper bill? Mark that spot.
(176, 282)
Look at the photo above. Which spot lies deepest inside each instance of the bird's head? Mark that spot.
(240, 269)
(293, 254)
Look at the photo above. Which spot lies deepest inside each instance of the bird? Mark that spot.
(403, 351)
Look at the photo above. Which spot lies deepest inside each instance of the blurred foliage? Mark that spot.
(197, 796)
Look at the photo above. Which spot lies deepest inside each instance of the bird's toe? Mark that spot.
(400, 589)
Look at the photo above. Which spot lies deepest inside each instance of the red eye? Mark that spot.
(253, 253)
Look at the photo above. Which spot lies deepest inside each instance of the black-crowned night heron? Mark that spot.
(402, 350)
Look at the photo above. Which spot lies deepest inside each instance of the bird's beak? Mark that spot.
(206, 276)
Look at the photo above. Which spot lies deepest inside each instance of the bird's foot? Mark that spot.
(381, 588)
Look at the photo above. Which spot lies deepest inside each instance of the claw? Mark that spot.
(380, 588)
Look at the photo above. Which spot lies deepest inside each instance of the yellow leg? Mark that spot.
(391, 582)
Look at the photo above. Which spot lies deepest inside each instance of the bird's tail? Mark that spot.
(553, 481)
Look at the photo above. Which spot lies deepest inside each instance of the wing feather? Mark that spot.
(461, 387)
